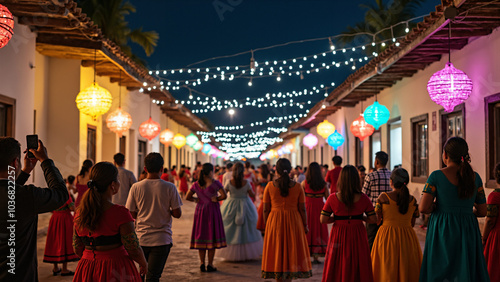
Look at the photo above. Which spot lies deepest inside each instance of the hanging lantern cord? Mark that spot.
(449, 42)
(150, 106)
(95, 67)
(120, 91)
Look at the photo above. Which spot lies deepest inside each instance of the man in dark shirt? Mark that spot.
(19, 208)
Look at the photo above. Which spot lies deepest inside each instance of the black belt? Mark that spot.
(314, 195)
(101, 240)
(348, 217)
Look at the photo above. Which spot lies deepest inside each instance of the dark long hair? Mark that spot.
(264, 171)
(238, 177)
(314, 177)
(86, 166)
(182, 171)
(348, 185)
(400, 179)
(458, 151)
(91, 208)
(283, 168)
(497, 173)
(205, 171)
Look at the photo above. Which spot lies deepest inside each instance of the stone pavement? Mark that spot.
(182, 263)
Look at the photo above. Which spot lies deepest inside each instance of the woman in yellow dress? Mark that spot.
(396, 253)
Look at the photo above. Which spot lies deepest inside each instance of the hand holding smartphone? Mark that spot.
(32, 142)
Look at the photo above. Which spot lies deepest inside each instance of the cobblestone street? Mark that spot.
(182, 263)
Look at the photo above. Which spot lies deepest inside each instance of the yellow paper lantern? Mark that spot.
(325, 129)
(94, 100)
(119, 121)
(179, 140)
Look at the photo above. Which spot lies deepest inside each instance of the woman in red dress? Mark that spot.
(315, 190)
(183, 181)
(348, 254)
(81, 180)
(491, 233)
(250, 176)
(58, 246)
(104, 235)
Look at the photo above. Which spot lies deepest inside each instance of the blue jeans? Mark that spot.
(156, 258)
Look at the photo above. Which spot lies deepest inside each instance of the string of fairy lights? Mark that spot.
(250, 145)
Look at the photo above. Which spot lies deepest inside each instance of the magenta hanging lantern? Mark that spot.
(449, 87)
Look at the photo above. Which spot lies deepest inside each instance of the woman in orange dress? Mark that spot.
(286, 254)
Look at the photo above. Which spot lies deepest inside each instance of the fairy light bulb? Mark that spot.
(250, 82)
(332, 47)
(278, 78)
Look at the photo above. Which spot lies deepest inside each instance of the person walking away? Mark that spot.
(126, 178)
(453, 249)
(81, 180)
(250, 176)
(166, 176)
(491, 233)
(333, 175)
(104, 236)
(300, 176)
(239, 215)
(58, 244)
(228, 175)
(70, 184)
(153, 202)
(376, 183)
(315, 190)
(286, 228)
(347, 254)
(263, 178)
(183, 179)
(396, 253)
(362, 174)
(19, 262)
(208, 228)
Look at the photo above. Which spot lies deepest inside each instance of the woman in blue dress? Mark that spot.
(244, 241)
(453, 249)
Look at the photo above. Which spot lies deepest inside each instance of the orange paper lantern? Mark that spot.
(361, 129)
(119, 121)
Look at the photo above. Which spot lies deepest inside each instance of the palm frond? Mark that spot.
(146, 39)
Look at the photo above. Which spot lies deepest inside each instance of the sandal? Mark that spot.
(56, 272)
(202, 268)
(211, 268)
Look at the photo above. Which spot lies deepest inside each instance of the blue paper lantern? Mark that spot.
(206, 148)
(376, 115)
(335, 140)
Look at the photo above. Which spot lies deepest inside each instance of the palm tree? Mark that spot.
(109, 15)
(380, 15)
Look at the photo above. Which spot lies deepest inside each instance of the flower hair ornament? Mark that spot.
(285, 171)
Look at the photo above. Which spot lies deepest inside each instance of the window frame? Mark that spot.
(358, 151)
(372, 158)
(414, 146)
(389, 123)
(92, 146)
(489, 104)
(10, 121)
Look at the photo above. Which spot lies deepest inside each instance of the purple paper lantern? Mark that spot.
(449, 87)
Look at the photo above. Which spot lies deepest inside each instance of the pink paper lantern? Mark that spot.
(310, 140)
(449, 87)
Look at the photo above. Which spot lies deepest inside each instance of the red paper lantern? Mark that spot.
(6, 26)
(149, 129)
(361, 129)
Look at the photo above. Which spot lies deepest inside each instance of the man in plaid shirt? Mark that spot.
(375, 184)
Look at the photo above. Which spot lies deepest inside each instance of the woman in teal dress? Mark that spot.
(453, 248)
(244, 241)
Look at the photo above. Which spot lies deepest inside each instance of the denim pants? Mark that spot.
(156, 258)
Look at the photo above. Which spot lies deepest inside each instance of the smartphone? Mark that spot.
(32, 141)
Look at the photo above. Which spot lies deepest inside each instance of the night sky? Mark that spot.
(195, 30)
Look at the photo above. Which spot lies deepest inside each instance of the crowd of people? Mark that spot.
(108, 221)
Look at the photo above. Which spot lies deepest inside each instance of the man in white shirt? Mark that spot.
(153, 202)
(228, 175)
(126, 178)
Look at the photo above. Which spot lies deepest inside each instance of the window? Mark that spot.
(91, 142)
(375, 146)
(322, 155)
(302, 154)
(492, 109)
(395, 143)
(452, 124)
(123, 145)
(169, 157)
(162, 150)
(141, 155)
(358, 151)
(7, 114)
(420, 138)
